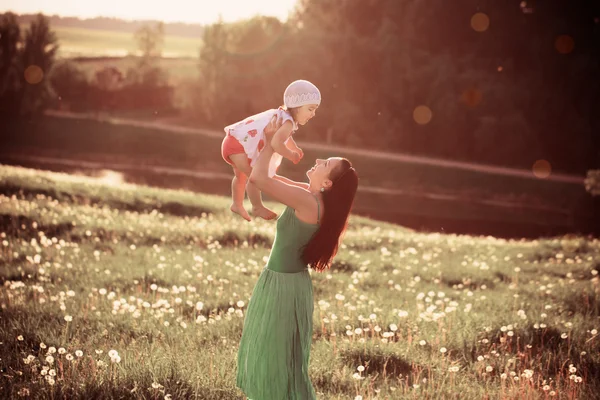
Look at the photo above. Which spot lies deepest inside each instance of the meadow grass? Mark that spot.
(125, 291)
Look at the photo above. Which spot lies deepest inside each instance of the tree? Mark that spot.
(150, 41)
(25, 63)
(212, 65)
(10, 68)
(39, 51)
(70, 85)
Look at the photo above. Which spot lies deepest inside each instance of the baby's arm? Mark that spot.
(278, 142)
(291, 144)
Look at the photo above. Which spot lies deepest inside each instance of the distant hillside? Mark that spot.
(119, 25)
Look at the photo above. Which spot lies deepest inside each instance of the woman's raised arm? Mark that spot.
(292, 195)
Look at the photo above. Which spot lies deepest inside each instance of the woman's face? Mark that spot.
(320, 173)
(305, 113)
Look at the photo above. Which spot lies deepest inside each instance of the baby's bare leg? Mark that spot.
(238, 185)
(258, 208)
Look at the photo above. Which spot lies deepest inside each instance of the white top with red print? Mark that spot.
(250, 133)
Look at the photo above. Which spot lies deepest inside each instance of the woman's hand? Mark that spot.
(272, 127)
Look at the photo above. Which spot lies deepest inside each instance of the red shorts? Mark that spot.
(229, 147)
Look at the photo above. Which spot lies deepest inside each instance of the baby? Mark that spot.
(244, 141)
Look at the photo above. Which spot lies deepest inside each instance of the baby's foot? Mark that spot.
(263, 212)
(239, 209)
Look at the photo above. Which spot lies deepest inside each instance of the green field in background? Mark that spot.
(81, 42)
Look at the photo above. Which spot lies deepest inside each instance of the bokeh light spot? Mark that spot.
(564, 44)
(34, 74)
(480, 22)
(472, 97)
(500, 68)
(525, 9)
(422, 115)
(541, 169)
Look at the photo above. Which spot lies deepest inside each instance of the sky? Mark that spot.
(190, 11)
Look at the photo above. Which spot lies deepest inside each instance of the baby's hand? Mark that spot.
(296, 157)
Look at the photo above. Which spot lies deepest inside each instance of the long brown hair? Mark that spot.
(337, 200)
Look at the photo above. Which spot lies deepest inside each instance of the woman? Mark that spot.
(275, 347)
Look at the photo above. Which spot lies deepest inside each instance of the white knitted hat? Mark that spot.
(300, 93)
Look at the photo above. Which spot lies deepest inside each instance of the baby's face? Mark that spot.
(305, 113)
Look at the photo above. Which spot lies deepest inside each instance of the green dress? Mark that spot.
(275, 347)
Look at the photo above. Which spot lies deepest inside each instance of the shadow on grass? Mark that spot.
(22, 227)
(15, 272)
(330, 381)
(344, 266)
(467, 283)
(586, 303)
(376, 361)
(573, 249)
(169, 208)
(121, 286)
(49, 327)
(472, 284)
(233, 239)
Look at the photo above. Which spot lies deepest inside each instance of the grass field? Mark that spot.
(102, 141)
(81, 42)
(121, 291)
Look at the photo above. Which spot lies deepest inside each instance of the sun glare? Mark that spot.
(112, 178)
